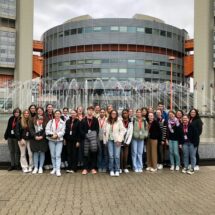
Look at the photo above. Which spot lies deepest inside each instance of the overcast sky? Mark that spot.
(49, 13)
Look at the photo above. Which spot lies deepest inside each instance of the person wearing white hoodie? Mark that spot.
(113, 136)
(55, 130)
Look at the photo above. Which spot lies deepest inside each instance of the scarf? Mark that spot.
(172, 123)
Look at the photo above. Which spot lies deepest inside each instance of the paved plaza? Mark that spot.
(164, 192)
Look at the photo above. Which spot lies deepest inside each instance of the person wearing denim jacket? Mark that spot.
(55, 130)
(113, 136)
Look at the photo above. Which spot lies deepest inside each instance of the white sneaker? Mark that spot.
(196, 168)
(112, 173)
(120, 171)
(140, 170)
(69, 171)
(53, 172)
(58, 173)
(172, 168)
(160, 166)
(177, 168)
(29, 169)
(35, 171)
(148, 168)
(117, 174)
(189, 167)
(25, 170)
(136, 170)
(184, 170)
(126, 171)
(153, 170)
(40, 170)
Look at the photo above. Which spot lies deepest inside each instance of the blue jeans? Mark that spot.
(102, 156)
(55, 150)
(137, 153)
(174, 153)
(114, 156)
(189, 151)
(39, 158)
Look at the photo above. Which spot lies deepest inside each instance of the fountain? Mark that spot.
(72, 93)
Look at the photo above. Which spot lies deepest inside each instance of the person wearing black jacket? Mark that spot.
(12, 140)
(72, 138)
(22, 133)
(89, 132)
(154, 137)
(196, 121)
(188, 140)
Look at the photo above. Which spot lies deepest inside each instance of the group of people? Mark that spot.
(103, 140)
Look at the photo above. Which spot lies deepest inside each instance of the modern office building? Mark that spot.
(204, 63)
(127, 49)
(16, 40)
(122, 49)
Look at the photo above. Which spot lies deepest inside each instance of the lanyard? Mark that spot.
(14, 123)
(125, 123)
(185, 128)
(57, 123)
(72, 121)
(140, 124)
(101, 122)
(89, 122)
(50, 116)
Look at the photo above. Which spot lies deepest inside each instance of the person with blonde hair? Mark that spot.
(22, 133)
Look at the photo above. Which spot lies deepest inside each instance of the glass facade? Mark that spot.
(8, 8)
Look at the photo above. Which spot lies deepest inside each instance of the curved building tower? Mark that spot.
(126, 50)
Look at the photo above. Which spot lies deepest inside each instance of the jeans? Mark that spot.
(14, 151)
(114, 156)
(102, 156)
(137, 153)
(23, 159)
(189, 151)
(174, 153)
(39, 158)
(55, 150)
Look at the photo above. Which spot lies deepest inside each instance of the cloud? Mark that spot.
(50, 13)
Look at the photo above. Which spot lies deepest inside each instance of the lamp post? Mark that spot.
(171, 58)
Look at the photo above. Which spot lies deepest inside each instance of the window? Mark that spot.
(104, 70)
(113, 60)
(73, 71)
(141, 30)
(73, 31)
(156, 63)
(156, 72)
(73, 62)
(148, 62)
(80, 30)
(80, 62)
(122, 70)
(148, 71)
(114, 28)
(88, 61)
(131, 70)
(148, 30)
(122, 29)
(88, 30)
(105, 60)
(156, 31)
(97, 29)
(139, 62)
(113, 70)
(163, 33)
(97, 62)
(169, 34)
(162, 63)
(61, 34)
(96, 70)
(132, 29)
(131, 61)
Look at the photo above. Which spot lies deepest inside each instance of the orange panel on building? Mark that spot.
(189, 58)
(37, 60)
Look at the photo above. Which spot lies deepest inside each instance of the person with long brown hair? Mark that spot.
(113, 136)
(23, 135)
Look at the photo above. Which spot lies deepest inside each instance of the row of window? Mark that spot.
(122, 29)
(115, 71)
(116, 61)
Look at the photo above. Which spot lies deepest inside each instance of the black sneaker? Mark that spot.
(11, 168)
